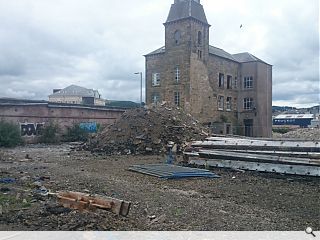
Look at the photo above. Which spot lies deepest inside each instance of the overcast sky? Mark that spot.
(47, 44)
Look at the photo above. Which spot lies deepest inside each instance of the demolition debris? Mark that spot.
(86, 202)
(148, 131)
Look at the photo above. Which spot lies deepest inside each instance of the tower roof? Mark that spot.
(182, 9)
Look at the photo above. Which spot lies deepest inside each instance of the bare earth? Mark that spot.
(236, 201)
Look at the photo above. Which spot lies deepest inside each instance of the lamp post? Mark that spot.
(140, 87)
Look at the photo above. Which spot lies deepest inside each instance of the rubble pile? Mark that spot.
(304, 134)
(148, 131)
(312, 134)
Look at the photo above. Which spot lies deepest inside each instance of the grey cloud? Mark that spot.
(96, 44)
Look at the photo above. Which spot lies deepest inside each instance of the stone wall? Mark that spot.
(30, 117)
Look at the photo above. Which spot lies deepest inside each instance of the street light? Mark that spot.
(140, 87)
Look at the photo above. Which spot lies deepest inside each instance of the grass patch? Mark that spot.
(75, 134)
(9, 202)
(10, 135)
(281, 130)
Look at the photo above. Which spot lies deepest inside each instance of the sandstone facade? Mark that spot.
(232, 93)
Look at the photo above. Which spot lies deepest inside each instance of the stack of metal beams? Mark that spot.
(283, 156)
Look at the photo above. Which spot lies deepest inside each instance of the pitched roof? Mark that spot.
(247, 57)
(74, 90)
(185, 9)
(240, 57)
(158, 51)
(221, 53)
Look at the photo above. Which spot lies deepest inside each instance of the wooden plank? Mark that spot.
(87, 202)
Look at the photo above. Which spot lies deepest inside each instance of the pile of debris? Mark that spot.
(303, 134)
(148, 131)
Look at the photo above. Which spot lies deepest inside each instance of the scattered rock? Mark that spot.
(57, 210)
(152, 217)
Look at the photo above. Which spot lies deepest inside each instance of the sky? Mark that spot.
(99, 44)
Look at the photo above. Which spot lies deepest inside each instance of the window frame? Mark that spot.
(221, 80)
(248, 82)
(199, 54)
(177, 74)
(155, 97)
(248, 103)
(229, 82)
(220, 103)
(229, 104)
(177, 99)
(177, 37)
(156, 79)
(199, 38)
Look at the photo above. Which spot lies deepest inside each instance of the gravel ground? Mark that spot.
(236, 201)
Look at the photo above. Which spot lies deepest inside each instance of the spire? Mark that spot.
(182, 9)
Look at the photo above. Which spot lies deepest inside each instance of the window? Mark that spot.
(177, 98)
(220, 102)
(229, 103)
(177, 73)
(199, 54)
(177, 37)
(221, 80)
(229, 82)
(156, 79)
(248, 82)
(248, 104)
(235, 82)
(155, 98)
(199, 38)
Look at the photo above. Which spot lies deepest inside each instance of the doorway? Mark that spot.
(248, 127)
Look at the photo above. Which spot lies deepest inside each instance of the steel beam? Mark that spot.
(261, 167)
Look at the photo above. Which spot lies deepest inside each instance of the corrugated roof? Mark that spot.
(75, 90)
(294, 116)
(221, 53)
(186, 9)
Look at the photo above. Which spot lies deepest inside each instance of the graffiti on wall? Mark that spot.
(89, 127)
(31, 129)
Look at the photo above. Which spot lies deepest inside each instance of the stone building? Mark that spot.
(77, 95)
(230, 92)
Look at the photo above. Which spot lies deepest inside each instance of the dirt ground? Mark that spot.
(236, 201)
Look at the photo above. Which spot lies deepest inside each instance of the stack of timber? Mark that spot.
(282, 156)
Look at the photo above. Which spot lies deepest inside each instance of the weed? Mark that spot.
(10, 135)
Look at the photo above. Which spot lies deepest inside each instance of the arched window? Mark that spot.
(199, 38)
(177, 37)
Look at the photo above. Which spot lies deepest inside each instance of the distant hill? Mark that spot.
(282, 109)
(122, 104)
(313, 110)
